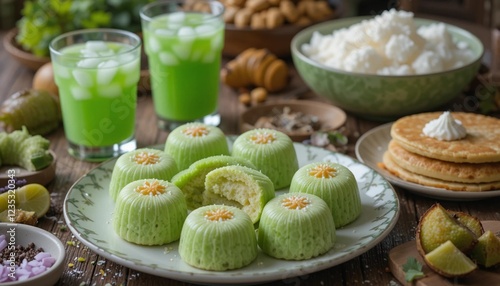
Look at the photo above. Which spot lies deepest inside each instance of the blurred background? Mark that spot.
(483, 12)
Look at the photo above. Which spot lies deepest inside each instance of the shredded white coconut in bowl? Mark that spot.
(389, 44)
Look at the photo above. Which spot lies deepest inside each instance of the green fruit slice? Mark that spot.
(436, 226)
(449, 261)
(471, 222)
(31, 198)
(487, 250)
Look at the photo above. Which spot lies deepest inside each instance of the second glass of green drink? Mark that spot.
(97, 72)
(183, 41)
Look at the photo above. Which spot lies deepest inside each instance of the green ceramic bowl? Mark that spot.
(383, 97)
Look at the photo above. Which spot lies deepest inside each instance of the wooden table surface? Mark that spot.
(370, 268)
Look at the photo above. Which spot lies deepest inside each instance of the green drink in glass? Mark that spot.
(97, 72)
(184, 46)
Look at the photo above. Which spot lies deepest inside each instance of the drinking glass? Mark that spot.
(97, 72)
(183, 41)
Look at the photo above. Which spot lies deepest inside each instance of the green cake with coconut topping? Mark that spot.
(192, 180)
(239, 186)
(193, 141)
(219, 238)
(144, 163)
(335, 184)
(150, 212)
(296, 226)
(271, 151)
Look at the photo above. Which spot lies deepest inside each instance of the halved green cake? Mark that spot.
(144, 163)
(218, 237)
(335, 184)
(239, 186)
(296, 226)
(193, 141)
(271, 151)
(192, 180)
(150, 212)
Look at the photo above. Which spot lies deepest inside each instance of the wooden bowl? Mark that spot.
(24, 177)
(275, 40)
(330, 117)
(27, 59)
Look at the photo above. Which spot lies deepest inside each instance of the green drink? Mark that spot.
(184, 48)
(97, 72)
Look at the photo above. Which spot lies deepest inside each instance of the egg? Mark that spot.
(44, 79)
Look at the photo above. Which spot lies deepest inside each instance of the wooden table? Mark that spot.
(370, 268)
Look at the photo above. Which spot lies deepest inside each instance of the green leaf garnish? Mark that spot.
(412, 269)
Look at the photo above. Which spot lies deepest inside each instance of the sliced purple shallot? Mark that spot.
(11, 269)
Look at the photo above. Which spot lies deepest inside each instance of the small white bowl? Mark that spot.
(26, 234)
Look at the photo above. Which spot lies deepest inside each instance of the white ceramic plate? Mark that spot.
(88, 210)
(370, 149)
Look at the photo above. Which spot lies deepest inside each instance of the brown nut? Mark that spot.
(242, 18)
(258, 20)
(237, 3)
(289, 11)
(274, 18)
(303, 21)
(257, 5)
(245, 98)
(230, 14)
(258, 95)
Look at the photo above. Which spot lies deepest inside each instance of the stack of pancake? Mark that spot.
(469, 164)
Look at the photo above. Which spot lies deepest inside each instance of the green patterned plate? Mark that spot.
(88, 210)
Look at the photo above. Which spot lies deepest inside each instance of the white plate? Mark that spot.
(371, 147)
(88, 210)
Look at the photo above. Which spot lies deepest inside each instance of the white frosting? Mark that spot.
(445, 128)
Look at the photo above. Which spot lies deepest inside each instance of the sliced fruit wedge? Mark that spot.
(487, 250)
(447, 260)
(437, 225)
(31, 198)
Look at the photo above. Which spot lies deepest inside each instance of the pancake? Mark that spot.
(391, 166)
(443, 170)
(482, 143)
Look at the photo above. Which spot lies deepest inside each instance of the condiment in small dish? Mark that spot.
(299, 119)
(50, 254)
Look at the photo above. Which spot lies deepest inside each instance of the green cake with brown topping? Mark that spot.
(144, 163)
(149, 212)
(335, 184)
(219, 238)
(296, 226)
(193, 141)
(271, 151)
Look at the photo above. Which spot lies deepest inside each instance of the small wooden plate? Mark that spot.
(399, 255)
(23, 177)
(25, 58)
(330, 117)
